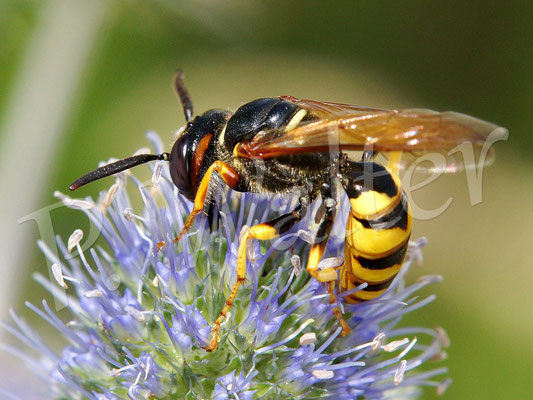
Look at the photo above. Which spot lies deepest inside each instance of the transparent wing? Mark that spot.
(414, 132)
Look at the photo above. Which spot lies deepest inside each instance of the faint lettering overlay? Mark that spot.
(472, 158)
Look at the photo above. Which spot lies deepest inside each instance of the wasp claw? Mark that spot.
(213, 344)
(345, 328)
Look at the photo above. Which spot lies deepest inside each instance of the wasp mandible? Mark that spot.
(305, 146)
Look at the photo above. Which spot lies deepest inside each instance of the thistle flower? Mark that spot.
(140, 316)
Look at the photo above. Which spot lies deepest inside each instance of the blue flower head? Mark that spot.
(141, 316)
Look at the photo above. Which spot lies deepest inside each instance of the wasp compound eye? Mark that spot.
(180, 166)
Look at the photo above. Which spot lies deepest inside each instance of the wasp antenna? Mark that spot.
(184, 95)
(118, 166)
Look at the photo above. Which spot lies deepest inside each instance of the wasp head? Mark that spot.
(192, 152)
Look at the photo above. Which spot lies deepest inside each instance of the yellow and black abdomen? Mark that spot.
(377, 234)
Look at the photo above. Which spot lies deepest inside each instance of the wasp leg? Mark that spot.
(265, 231)
(327, 275)
(228, 175)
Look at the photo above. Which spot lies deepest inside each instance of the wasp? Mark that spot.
(285, 144)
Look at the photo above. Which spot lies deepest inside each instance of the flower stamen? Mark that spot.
(296, 263)
(109, 197)
(93, 293)
(400, 373)
(323, 374)
(377, 341)
(394, 345)
(307, 338)
(74, 239)
(58, 275)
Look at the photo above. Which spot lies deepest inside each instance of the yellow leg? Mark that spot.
(322, 275)
(265, 231)
(228, 174)
(326, 275)
(336, 311)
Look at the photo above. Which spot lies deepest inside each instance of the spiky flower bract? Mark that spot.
(140, 316)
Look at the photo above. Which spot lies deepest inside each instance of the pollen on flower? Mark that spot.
(394, 345)
(441, 356)
(443, 386)
(74, 239)
(297, 264)
(330, 262)
(307, 338)
(323, 374)
(109, 197)
(378, 340)
(128, 214)
(138, 315)
(76, 204)
(156, 177)
(400, 373)
(443, 337)
(58, 275)
(93, 293)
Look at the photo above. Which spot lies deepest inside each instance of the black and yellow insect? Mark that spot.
(283, 144)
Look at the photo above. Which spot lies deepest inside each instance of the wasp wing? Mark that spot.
(414, 132)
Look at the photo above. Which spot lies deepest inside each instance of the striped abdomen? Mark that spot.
(377, 233)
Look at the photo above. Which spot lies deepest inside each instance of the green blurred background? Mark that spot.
(118, 57)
